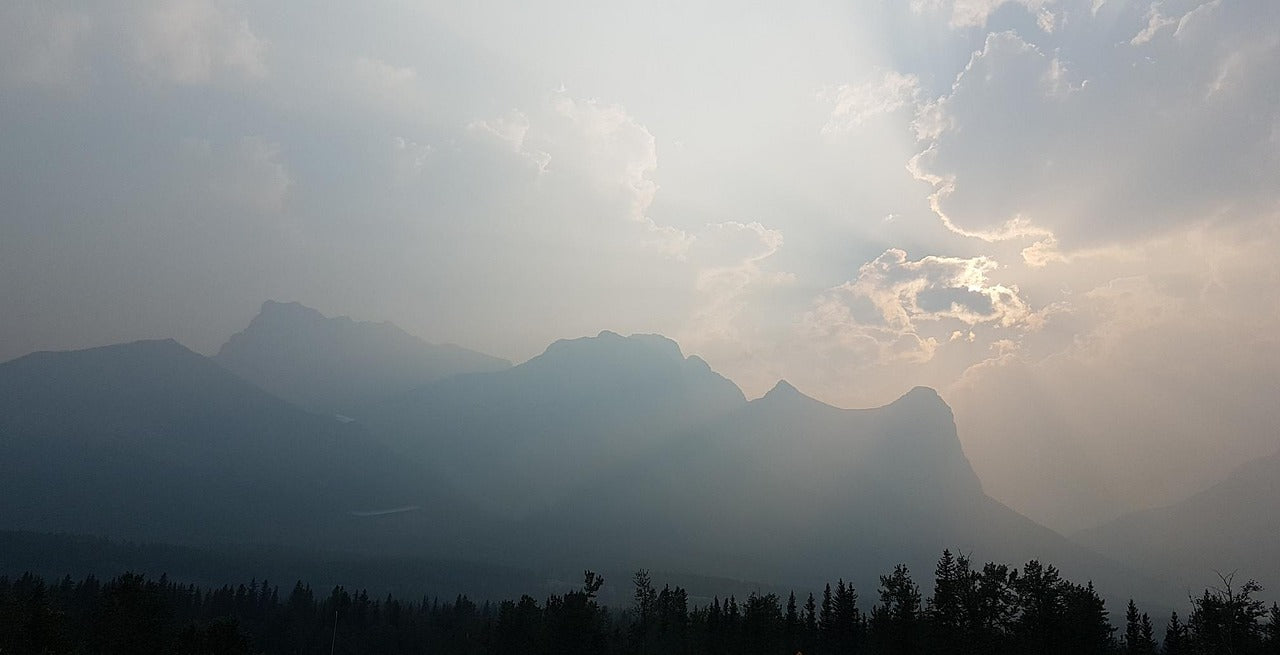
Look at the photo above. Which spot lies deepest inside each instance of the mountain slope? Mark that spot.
(517, 441)
(788, 488)
(610, 452)
(1232, 526)
(150, 440)
(337, 365)
(621, 448)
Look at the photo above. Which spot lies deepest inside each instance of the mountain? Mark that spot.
(337, 365)
(623, 449)
(788, 488)
(150, 440)
(1231, 526)
(518, 441)
(607, 452)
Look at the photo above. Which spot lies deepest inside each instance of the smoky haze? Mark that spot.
(1061, 215)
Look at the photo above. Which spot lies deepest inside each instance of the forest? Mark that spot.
(990, 610)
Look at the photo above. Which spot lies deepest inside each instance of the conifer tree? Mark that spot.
(1138, 639)
(827, 619)
(895, 621)
(1175, 636)
(810, 624)
(945, 609)
(1271, 633)
(791, 627)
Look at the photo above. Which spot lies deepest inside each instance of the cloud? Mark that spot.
(1148, 385)
(1155, 22)
(974, 13)
(731, 261)
(408, 159)
(908, 307)
(622, 155)
(510, 130)
(184, 42)
(854, 105)
(191, 41)
(385, 88)
(1013, 149)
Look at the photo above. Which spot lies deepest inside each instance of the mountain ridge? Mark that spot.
(606, 447)
(1232, 525)
(337, 365)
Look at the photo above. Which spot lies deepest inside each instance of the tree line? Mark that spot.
(992, 610)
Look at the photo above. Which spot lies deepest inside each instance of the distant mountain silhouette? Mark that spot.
(151, 440)
(337, 365)
(788, 488)
(609, 451)
(518, 441)
(622, 446)
(1231, 526)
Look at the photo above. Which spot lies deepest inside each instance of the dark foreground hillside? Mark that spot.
(996, 610)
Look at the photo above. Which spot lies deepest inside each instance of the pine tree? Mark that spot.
(1138, 639)
(848, 621)
(945, 611)
(827, 622)
(644, 607)
(1175, 637)
(1148, 635)
(1272, 632)
(895, 621)
(791, 627)
(810, 624)
(1225, 619)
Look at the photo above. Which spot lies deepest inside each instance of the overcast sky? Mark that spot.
(1063, 214)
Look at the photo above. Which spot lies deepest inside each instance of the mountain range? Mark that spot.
(1233, 526)
(607, 451)
(337, 365)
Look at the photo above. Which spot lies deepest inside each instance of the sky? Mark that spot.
(1062, 214)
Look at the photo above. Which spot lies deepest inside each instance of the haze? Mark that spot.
(1063, 215)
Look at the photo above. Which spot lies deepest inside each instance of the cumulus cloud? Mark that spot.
(731, 258)
(1013, 149)
(974, 13)
(408, 159)
(510, 131)
(854, 105)
(906, 308)
(622, 156)
(385, 87)
(187, 42)
(191, 41)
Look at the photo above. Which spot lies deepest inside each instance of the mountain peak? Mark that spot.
(338, 365)
(608, 342)
(783, 388)
(276, 311)
(145, 347)
(924, 394)
(922, 399)
(648, 363)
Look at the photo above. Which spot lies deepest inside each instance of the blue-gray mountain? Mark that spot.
(611, 452)
(337, 365)
(1232, 526)
(151, 441)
